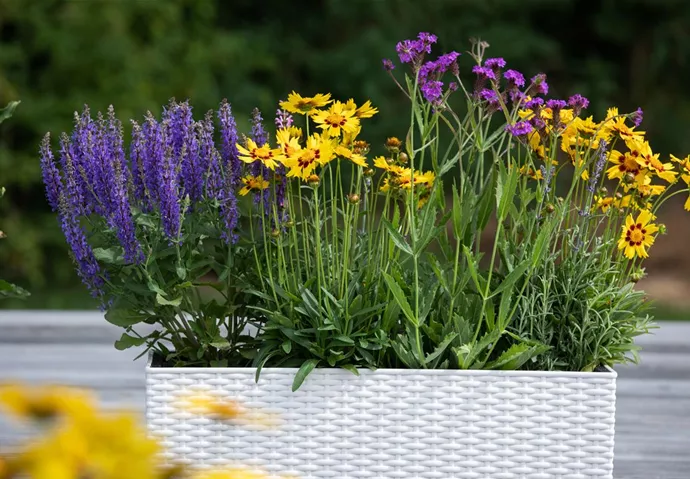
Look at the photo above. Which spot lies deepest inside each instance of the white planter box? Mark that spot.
(442, 424)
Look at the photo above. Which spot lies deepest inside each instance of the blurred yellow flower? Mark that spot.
(44, 402)
(296, 103)
(637, 235)
(205, 403)
(264, 154)
(531, 172)
(237, 473)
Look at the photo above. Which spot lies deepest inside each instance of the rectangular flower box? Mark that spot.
(444, 424)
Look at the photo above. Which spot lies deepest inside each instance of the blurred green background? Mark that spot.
(57, 55)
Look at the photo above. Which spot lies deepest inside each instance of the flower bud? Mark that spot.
(619, 195)
(604, 190)
(629, 178)
(369, 172)
(360, 147)
(662, 229)
(313, 180)
(289, 224)
(638, 275)
(550, 208)
(403, 158)
(2, 235)
(393, 144)
(353, 198)
(275, 233)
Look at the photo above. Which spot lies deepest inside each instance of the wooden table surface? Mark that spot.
(76, 348)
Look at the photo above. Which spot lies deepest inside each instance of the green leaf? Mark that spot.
(153, 287)
(351, 368)
(109, 255)
(221, 343)
(9, 290)
(165, 302)
(181, 271)
(507, 196)
(516, 356)
(123, 317)
(304, 370)
(441, 348)
(472, 266)
(126, 341)
(397, 238)
(400, 298)
(222, 363)
(484, 205)
(8, 111)
(510, 280)
(287, 346)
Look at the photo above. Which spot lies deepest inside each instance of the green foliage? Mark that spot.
(9, 290)
(58, 55)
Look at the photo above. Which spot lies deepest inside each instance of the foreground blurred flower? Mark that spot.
(213, 406)
(44, 403)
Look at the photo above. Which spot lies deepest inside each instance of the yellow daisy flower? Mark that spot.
(288, 140)
(253, 183)
(624, 163)
(317, 152)
(650, 161)
(267, 156)
(381, 162)
(296, 103)
(44, 402)
(684, 166)
(425, 179)
(364, 111)
(637, 235)
(534, 174)
(356, 158)
(336, 120)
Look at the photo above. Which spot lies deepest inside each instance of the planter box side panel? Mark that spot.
(396, 425)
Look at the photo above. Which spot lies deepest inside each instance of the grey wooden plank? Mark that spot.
(75, 348)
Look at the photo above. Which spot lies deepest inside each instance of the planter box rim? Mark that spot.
(608, 374)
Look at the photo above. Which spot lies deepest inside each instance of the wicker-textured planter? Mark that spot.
(443, 424)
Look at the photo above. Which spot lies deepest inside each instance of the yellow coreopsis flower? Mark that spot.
(296, 103)
(614, 125)
(253, 183)
(626, 163)
(317, 152)
(530, 172)
(265, 154)
(650, 161)
(356, 158)
(364, 111)
(288, 140)
(336, 120)
(637, 235)
(684, 165)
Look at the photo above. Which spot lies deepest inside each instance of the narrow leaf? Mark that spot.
(400, 298)
(304, 370)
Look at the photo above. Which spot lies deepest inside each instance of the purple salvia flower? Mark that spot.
(388, 65)
(82, 147)
(637, 117)
(120, 216)
(71, 205)
(520, 129)
(51, 175)
(228, 132)
(153, 154)
(578, 103)
(259, 134)
(136, 165)
(283, 119)
(228, 205)
(210, 159)
(169, 195)
(598, 166)
(539, 85)
(514, 78)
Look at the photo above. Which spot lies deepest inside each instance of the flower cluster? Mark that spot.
(173, 166)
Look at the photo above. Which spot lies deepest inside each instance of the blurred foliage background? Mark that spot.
(57, 55)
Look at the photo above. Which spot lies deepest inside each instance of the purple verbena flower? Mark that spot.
(51, 175)
(496, 64)
(534, 103)
(578, 103)
(520, 129)
(514, 78)
(537, 123)
(427, 39)
(539, 85)
(412, 51)
(556, 104)
(637, 117)
(432, 91)
(484, 73)
(388, 65)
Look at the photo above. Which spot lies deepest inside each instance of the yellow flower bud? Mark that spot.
(313, 180)
(353, 198)
(403, 158)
